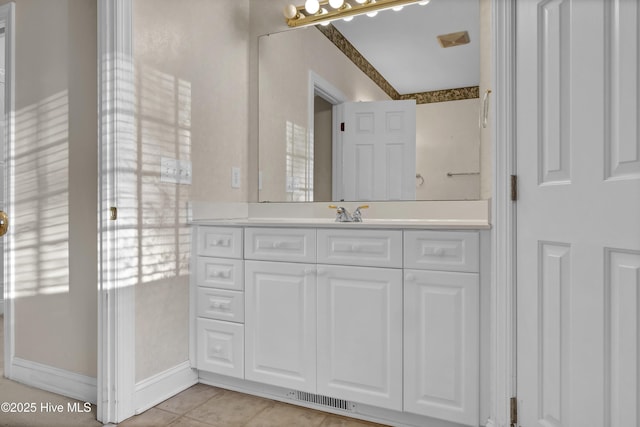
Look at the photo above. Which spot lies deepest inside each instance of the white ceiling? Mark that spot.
(403, 47)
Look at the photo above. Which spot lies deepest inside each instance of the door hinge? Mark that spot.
(513, 411)
(514, 188)
(113, 213)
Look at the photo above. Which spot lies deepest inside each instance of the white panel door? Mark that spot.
(378, 151)
(280, 324)
(578, 232)
(360, 334)
(442, 345)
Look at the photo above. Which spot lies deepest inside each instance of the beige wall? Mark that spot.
(55, 191)
(191, 62)
(447, 140)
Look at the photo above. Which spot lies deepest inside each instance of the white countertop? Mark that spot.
(473, 214)
(451, 224)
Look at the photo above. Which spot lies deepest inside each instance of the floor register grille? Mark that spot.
(317, 399)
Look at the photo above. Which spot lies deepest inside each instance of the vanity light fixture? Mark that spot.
(315, 12)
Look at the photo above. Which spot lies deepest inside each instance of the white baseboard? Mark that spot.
(55, 380)
(160, 387)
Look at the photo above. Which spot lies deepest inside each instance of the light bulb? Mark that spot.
(397, 8)
(374, 13)
(422, 3)
(346, 7)
(361, 1)
(312, 6)
(290, 11)
(336, 4)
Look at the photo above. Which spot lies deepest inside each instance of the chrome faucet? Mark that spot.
(343, 215)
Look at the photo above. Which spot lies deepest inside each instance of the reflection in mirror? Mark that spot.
(305, 81)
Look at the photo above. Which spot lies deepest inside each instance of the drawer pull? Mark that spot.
(356, 248)
(222, 274)
(217, 349)
(278, 245)
(438, 251)
(220, 242)
(410, 277)
(220, 305)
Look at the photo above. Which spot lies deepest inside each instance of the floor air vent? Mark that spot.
(317, 399)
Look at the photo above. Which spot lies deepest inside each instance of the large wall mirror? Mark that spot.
(311, 80)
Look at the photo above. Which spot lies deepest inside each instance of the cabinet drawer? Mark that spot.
(441, 250)
(223, 242)
(221, 304)
(220, 347)
(220, 273)
(277, 244)
(375, 248)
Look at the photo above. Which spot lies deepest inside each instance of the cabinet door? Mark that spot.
(220, 347)
(441, 339)
(360, 334)
(280, 324)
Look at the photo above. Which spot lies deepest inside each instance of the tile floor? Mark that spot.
(198, 406)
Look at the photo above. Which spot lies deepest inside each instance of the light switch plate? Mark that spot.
(235, 177)
(175, 171)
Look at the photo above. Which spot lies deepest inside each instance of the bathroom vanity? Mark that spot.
(378, 320)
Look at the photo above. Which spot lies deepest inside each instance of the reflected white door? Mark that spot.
(578, 232)
(378, 151)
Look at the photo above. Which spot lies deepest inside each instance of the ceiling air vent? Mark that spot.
(453, 39)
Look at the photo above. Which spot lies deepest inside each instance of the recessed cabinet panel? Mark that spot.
(221, 273)
(360, 334)
(280, 244)
(225, 242)
(280, 324)
(221, 304)
(220, 347)
(441, 339)
(375, 248)
(442, 250)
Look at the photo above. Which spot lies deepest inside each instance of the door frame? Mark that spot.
(7, 20)
(334, 96)
(116, 303)
(503, 213)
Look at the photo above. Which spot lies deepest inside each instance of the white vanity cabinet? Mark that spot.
(219, 300)
(386, 321)
(441, 325)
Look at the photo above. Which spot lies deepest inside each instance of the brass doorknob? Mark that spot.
(4, 223)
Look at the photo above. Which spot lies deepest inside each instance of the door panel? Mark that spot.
(378, 151)
(280, 324)
(360, 334)
(578, 234)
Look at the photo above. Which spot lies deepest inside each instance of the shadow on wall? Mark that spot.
(40, 194)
